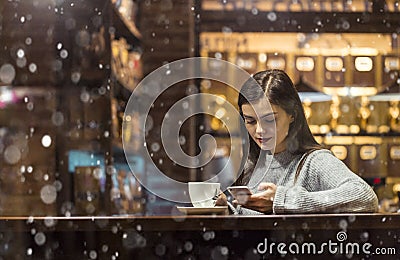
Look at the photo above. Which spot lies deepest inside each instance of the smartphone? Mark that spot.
(240, 192)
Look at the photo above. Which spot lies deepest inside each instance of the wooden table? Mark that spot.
(342, 236)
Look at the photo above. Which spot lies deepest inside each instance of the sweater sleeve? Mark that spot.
(325, 184)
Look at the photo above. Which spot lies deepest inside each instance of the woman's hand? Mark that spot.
(221, 200)
(263, 200)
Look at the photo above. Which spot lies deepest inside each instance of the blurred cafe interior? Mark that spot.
(68, 68)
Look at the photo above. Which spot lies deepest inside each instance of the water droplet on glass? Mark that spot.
(7, 73)
(106, 134)
(57, 118)
(30, 106)
(155, 147)
(97, 173)
(30, 220)
(46, 141)
(209, 235)
(82, 38)
(20, 53)
(21, 62)
(114, 229)
(226, 30)
(12, 154)
(70, 24)
(224, 250)
(75, 77)
(346, 25)
(364, 236)
(40, 238)
(188, 246)
(343, 224)
(191, 89)
(138, 227)
(90, 208)
(102, 90)
(110, 170)
(48, 194)
(92, 254)
(64, 54)
(254, 11)
(32, 67)
(49, 222)
(185, 105)
(149, 123)
(182, 140)
(28, 41)
(345, 108)
(160, 250)
(57, 65)
(272, 16)
(85, 96)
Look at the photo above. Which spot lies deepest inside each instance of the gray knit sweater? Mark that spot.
(325, 184)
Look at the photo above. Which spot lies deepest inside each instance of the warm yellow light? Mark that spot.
(220, 99)
(334, 64)
(363, 51)
(220, 113)
(396, 187)
(262, 57)
(304, 64)
(363, 63)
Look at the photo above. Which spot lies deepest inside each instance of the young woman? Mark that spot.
(295, 174)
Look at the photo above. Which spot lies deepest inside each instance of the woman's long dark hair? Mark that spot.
(279, 90)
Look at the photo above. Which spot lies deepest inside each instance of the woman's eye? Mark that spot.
(250, 122)
(269, 120)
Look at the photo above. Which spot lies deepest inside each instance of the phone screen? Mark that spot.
(240, 191)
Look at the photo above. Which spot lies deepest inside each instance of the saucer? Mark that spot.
(217, 210)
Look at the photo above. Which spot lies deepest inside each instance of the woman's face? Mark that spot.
(261, 125)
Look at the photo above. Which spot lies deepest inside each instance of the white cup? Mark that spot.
(202, 193)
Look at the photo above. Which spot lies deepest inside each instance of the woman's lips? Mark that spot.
(263, 139)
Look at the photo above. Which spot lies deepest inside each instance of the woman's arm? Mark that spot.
(325, 184)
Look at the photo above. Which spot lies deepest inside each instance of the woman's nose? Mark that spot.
(259, 128)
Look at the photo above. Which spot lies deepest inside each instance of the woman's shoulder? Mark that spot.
(322, 157)
(318, 154)
(321, 151)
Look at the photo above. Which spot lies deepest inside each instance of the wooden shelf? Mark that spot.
(306, 22)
